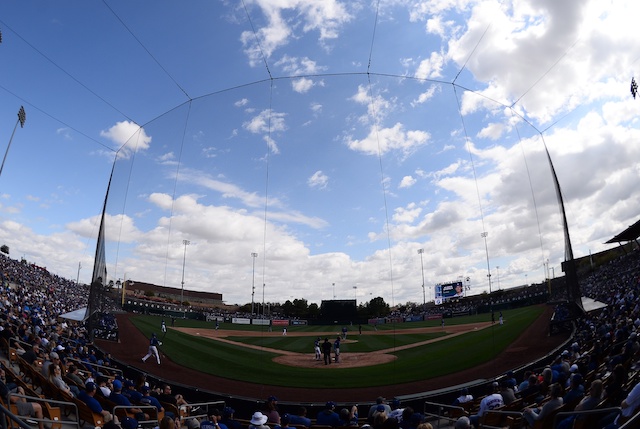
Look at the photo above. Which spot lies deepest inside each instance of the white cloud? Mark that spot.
(326, 18)
(267, 120)
(390, 139)
(318, 180)
(128, 138)
(407, 182)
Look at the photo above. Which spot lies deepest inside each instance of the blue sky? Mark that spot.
(333, 138)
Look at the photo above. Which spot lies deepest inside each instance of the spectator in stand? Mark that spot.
(407, 418)
(147, 399)
(390, 423)
(463, 398)
(396, 411)
(328, 416)
(576, 391)
(587, 403)
(284, 422)
(72, 374)
(379, 417)
(613, 391)
(53, 358)
(87, 396)
(177, 400)
(525, 382)
(258, 421)
(120, 399)
(300, 418)
(532, 387)
(227, 418)
(630, 405)
(55, 378)
(103, 386)
(349, 416)
(32, 355)
(492, 401)
(511, 381)
(214, 421)
(507, 393)
(131, 393)
(531, 415)
(26, 409)
(380, 400)
(271, 410)
(111, 422)
(463, 423)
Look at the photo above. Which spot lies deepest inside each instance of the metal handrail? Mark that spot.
(49, 401)
(109, 368)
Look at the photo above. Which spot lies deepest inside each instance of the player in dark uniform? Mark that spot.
(153, 349)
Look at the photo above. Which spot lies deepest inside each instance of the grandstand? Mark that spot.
(606, 338)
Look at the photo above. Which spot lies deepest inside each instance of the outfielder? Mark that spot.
(153, 349)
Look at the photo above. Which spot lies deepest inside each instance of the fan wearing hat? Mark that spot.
(117, 397)
(576, 390)
(328, 416)
(285, 420)
(380, 400)
(147, 399)
(53, 358)
(87, 396)
(214, 420)
(464, 397)
(271, 410)
(258, 421)
(227, 419)
(492, 401)
(131, 392)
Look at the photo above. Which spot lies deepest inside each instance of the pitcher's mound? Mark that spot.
(347, 360)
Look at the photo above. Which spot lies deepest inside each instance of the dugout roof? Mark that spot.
(629, 234)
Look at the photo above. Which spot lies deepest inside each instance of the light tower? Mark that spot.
(424, 296)
(184, 261)
(254, 255)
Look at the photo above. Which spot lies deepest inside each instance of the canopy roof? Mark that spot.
(629, 234)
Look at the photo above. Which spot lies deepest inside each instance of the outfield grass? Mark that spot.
(418, 363)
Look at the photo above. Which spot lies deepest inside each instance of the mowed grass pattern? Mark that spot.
(418, 363)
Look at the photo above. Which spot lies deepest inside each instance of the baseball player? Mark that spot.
(153, 349)
(316, 348)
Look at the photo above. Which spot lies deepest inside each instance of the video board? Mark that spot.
(447, 291)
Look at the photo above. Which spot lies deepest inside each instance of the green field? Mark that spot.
(418, 363)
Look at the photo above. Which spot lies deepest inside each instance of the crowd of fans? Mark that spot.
(600, 369)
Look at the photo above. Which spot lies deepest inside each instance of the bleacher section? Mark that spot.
(604, 348)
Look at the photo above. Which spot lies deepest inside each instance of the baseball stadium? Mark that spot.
(306, 214)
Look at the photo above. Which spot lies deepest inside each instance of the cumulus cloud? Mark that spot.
(390, 139)
(318, 180)
(128, 138)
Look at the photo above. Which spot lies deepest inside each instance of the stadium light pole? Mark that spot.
(78, 278)
(184, 261)
(355, 293)
(22, 117)
(424, 296)
(254, 255)
(334, 290)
